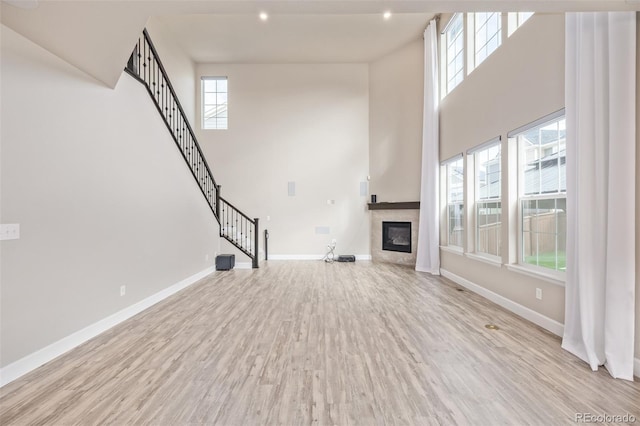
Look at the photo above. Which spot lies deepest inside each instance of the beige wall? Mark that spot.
(102, 196)
(396, 84)
(488, 104)
(302, 123)
(520, 82)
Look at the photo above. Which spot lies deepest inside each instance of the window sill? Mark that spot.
(453, 249)
(485, 259)
(535, 274)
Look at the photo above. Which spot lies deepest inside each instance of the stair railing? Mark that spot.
(145, 66)
(237, 226)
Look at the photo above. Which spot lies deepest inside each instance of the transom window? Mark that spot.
(488, 34)
(453, 53)
(516, 19)
(214, 103)
(479, 34)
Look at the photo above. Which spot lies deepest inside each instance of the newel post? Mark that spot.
(256, 240)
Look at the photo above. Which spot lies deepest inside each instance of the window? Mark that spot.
(487, 34)
(542, 192)
(454, 170)
(516, 19)
(214, 103)
(488, 209)
(452, 49)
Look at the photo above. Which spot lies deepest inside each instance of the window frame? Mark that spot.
(203, 104)
(520, 263)
(472, 38)
(445, 167)
(445, 54)
(474, 154)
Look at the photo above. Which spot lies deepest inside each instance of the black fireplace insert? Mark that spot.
(396, 236)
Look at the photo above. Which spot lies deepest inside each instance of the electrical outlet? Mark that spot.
(268, 218)
(10, 231)
(123, 290)
(206, 258)
(539, 293)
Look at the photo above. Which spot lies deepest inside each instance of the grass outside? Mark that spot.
(548, 260)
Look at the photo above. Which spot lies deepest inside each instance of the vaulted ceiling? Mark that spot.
(97, 36)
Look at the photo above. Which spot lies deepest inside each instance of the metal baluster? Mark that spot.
(167, 100)
(155, 81)
(144, 64)
(138, 54)
(148, 59)
(152, 85)
(218, 199)
(157, 87)
(227, 216)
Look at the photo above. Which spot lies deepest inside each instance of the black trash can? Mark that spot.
(224, 262)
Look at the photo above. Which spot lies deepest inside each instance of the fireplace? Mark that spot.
(396, 236)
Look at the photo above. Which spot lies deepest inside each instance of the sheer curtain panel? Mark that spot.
(428, 254)
(600, 78)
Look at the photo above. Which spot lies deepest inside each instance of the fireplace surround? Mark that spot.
(394, 212)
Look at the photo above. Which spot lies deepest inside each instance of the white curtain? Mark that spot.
(428, 254)
(600, 91)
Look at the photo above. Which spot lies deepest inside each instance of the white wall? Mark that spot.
(299, 123)
(396, 86)
(102, 196)
(178, 64)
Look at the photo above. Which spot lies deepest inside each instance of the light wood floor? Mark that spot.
(312, 343)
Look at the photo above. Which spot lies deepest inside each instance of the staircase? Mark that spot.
(236, 227)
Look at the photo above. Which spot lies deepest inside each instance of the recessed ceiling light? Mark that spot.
(264, 16)
(387, 15)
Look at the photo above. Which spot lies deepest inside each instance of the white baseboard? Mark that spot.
(32, 361)
(363, 257)
(311, 256)
(545, 322)
(296, 256)
(529, 314)
(243, 265)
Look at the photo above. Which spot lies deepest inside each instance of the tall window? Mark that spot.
(452, 40)
(543, 193)
(516, 19)
(488, 182)
(488, 34)
(455, 201)
(214, 103)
